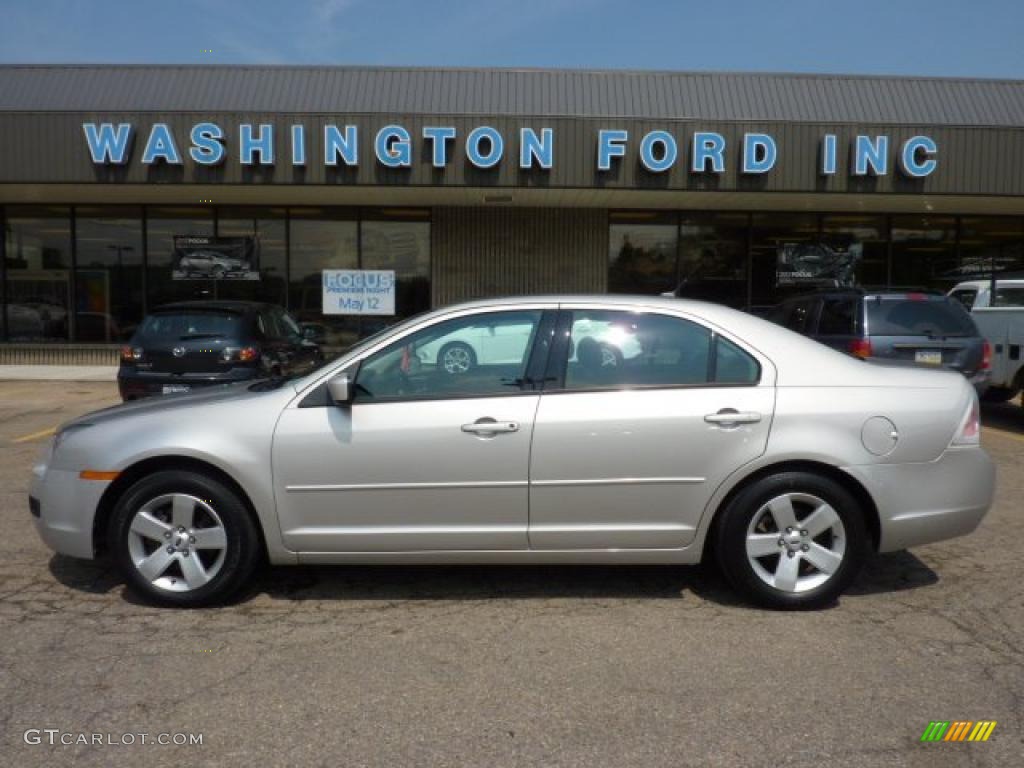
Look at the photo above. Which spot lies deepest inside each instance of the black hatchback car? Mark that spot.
(191, 344)
(923, 328)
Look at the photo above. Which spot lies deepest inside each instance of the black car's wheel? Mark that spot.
(999, 394)
(794, 540)
(184, 539)
(456, 358)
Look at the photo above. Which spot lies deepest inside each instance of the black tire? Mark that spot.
(733, 527)
(240, 555)
(999, 394)
(456, 346)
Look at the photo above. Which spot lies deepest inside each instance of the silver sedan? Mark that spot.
(623, 430)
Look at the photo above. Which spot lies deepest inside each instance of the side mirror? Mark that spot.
(341, 388)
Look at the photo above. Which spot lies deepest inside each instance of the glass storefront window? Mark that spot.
(642, 253)
(162, 224)
(37, 253)
(108, 282)
(713, 257)
(321, 239)
(991, 244)
(787, 258)
(267, 228)
(399, 240)
(924, 253)
(861, 241)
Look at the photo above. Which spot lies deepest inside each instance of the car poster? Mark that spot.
(206, 257)
(817, 264)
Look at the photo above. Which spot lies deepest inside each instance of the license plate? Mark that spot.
(171, 389)
(928, 357)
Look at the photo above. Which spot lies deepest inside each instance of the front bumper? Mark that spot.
(923, 503)
(66, 507)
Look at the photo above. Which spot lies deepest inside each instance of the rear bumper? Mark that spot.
(135, 384)
(923, 503)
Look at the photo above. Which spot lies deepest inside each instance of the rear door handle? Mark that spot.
(489, 426)
(731, 417)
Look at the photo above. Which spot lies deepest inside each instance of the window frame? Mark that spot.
(558, 361)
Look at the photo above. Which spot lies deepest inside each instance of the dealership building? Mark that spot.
(465, 183)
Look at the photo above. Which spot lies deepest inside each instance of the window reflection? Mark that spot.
(404, 246)
(108, 284)
(713, 258)
(924, 252)
(642, 253)
(321, 240)
(38, 273)
(266, 226)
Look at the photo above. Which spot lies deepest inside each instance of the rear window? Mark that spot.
(181, 326)
(924, 316)
(965, 296)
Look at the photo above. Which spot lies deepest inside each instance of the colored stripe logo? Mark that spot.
(958, 730)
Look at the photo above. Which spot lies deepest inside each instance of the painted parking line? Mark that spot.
(35, 435)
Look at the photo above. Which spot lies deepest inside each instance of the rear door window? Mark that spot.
(923, 315)
(622, 350)
(1009, 297)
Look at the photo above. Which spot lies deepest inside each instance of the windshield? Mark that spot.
(920, 315)
(181, 326)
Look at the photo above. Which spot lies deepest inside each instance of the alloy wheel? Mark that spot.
(177, 542)
(796, 542)
(457, 360)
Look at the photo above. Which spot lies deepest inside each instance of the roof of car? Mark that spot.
(224, 305)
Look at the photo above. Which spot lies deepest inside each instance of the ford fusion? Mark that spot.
(567, 430)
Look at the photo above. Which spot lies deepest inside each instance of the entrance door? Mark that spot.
(654, 412)
(427, 457)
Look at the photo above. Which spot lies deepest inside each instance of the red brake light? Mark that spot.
(917, 297)
(860, 348)
(248, 354)
(131, 354)
(986, 357)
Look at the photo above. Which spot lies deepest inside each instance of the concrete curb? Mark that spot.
(58, 373)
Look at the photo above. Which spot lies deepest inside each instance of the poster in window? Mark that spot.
(206, 257)
(817, 264)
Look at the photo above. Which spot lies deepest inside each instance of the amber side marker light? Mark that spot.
(95, 474)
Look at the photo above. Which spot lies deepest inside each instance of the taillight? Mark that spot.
(986, 357)
(131, 354)
(240, 354)
(970, 426)
(860, 348)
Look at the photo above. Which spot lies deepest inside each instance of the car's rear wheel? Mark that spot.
(794, 540)
(182, 538)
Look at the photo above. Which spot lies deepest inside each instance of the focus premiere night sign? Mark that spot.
(485, 147)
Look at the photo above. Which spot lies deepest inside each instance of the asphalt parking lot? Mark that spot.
(460, 666)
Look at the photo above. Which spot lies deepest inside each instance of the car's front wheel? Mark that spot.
(183, 538)
(793, 540)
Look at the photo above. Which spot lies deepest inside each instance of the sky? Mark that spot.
(969, 38)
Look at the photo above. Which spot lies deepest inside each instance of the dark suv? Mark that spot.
(191, 344)
(923, 328)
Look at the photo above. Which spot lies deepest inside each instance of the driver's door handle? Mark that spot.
(730, 417)
(490, 427)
